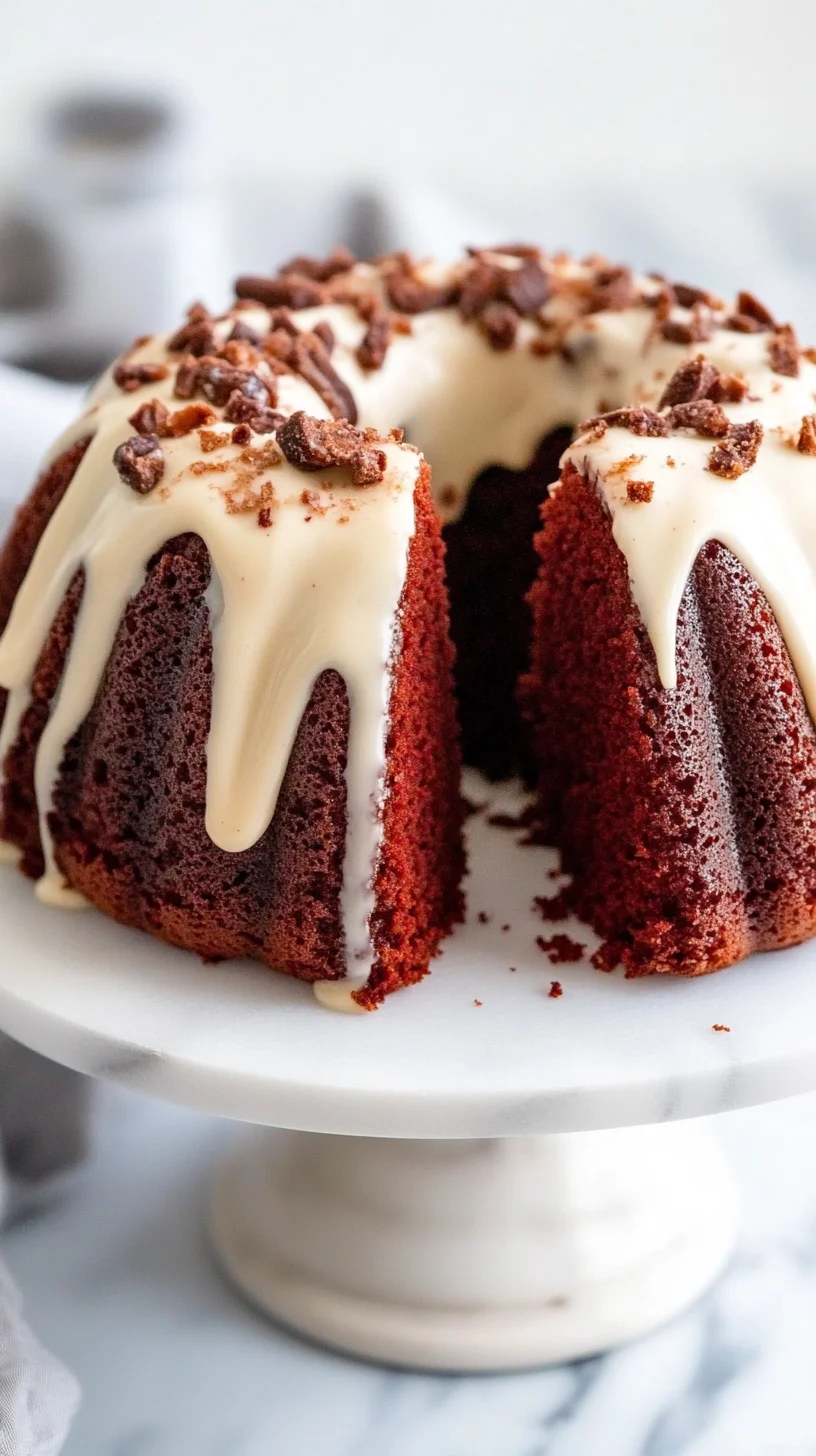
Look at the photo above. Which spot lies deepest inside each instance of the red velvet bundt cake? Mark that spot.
(230, 717)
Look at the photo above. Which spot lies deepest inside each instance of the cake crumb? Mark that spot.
(477, 1002)
(511, 968)
(484, 918)
(556, 990)
(561, 949)
(553, 907)
(718, 1026)
(607, 957)
(806, 442)
(507, 927)
(639, 491)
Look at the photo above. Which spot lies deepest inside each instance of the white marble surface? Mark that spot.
(120, 1282)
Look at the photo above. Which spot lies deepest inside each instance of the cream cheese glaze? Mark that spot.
(766, 517)
(306, 594)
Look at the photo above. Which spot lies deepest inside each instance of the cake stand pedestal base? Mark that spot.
(483, 1254)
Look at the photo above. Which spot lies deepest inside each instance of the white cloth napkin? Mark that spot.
(43, 1107)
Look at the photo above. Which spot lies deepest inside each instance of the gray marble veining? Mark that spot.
(120, 1282)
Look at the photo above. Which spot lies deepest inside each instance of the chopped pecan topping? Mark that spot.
(614, 289)
(368, 305)
(695, 330)
(196, 336)
(693, 380)
(702, 416)
(279, 346)
(479, 287)
(743, 323)
(509, 250)
(325, 333)
(700, 379)
(639, 491)
(806, 442)
(749, 306)
(639, 420)
(737, 452)
(373, 346)
(662, 302)
(217, 379)
(783, 352)
(186, 377)
(410, 294)
(150, 418)
(311, 361)
(527, 287)
(242, 409)
(140, 462)
(295, 290)
(728, 389)
(155, 419)
(687, 296)
(191, 417)
(242, 332)
(130, 377)
(281, 318)
(499, 322)
(340, 260)
(313, 444)
(241, 435)
(241, 353)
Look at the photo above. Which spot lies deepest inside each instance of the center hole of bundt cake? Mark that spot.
(491, 564)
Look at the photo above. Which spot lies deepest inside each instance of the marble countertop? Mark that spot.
(120, 1282)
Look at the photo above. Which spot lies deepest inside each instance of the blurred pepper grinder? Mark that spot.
(114, 227)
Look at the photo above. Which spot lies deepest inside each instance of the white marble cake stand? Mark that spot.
(432, 1233)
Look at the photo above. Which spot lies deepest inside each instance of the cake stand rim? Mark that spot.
(37, 973)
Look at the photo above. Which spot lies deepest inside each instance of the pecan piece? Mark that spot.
(140, 462)
(312, 444)
(737, 452)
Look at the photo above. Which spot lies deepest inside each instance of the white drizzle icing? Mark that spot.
(300, 597)
(288, 602)
(766, 517)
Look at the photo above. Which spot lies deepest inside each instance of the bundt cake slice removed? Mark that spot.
(231, 719)
(673, 675)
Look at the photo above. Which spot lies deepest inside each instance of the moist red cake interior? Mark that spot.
(491, 564)
(688, 818)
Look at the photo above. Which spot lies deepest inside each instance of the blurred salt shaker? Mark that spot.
(122, 225)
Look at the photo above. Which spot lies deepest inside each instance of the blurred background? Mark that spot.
(146, 153)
